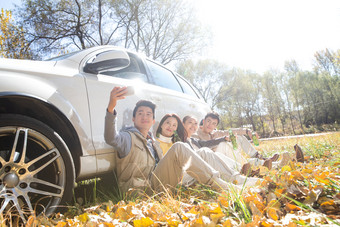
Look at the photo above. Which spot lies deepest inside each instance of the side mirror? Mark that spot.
(109, 60)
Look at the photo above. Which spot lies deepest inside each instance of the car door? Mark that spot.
(99, 87)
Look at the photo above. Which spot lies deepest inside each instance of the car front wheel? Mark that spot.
(36, 168)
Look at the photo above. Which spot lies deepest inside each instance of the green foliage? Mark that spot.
(207, 76)
(275, 103)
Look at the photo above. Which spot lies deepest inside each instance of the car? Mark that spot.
(52, 120)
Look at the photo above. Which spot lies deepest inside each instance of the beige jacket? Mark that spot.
(134, 161)
(135, 169)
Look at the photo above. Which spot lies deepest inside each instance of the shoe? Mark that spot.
(285, 159)
(255, 173)
(259, 156)
(275, 157)
(268, 163)
(299, 154)
(246, 169)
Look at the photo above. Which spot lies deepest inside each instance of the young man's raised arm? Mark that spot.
(121, 141)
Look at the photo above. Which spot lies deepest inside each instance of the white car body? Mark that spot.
(73, 103)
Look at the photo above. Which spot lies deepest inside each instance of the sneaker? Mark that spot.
(299, 154)
(259, 156)
(246, 169)
(255, 173)
(275, 157)
(285, 159)
(268, 163)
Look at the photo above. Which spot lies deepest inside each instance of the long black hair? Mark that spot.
(180, 133)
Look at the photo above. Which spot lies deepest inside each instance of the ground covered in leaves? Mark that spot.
(297, 194)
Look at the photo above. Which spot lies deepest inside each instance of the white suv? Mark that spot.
(52, 119)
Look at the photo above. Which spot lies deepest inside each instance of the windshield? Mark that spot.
(64, 56)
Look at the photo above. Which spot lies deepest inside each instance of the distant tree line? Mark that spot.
(291, 101)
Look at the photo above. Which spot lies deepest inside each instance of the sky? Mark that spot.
(262, 34)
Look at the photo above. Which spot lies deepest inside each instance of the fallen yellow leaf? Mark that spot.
(84, 217)
(143, 222)
(216, 217)
(61, 224)
(286, 168)
(224, 202)
(292, 207)
(227, 223)
(273, 214)
(266, 224)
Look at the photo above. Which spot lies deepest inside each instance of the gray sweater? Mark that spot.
(204, 143)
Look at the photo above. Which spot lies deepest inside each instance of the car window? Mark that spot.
(163, 77)
(135, 70)
(187, 88)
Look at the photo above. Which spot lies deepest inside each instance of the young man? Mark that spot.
(245, 151)
(140, 162)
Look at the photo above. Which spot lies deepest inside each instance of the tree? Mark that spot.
(292, 71)
(12, 40)
(164, 30)
(286, 93)
(269, 94)
(327, 64)
(239, 98)
(206, 76)
(328, 61)
(52, 26)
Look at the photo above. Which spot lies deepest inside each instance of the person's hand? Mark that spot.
(116, 94)
(227, 138)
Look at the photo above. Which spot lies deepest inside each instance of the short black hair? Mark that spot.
(144, 103)
(213, 115)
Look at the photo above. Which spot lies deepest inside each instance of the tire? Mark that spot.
(36, 168)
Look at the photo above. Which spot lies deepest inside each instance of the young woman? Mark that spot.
(169, 131)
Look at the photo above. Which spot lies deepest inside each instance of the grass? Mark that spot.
(323, 150)
(298, 194)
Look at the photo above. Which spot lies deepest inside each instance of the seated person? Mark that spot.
(140, 161)
(171, 130)
(245, 153)
(190, 124)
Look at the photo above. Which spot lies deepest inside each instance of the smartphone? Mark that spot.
(129, 91)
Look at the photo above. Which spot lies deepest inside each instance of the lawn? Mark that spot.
(297, 194)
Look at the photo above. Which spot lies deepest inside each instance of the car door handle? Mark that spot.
(192, 105)
(155, 98)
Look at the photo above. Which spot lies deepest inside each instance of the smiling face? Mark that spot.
(143, 120)
(209, 124)
(169, 126)
(190, 126)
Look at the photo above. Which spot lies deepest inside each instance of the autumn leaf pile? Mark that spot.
(297, 194)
